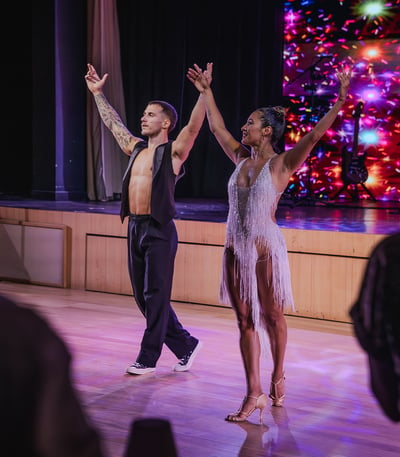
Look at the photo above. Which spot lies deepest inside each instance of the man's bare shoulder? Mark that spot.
(136, 141)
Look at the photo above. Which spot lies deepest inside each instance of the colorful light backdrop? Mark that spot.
(320, 36)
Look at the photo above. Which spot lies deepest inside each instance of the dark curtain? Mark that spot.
(159, 40)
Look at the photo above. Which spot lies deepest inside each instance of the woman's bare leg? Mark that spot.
(274, 319)
(249, 342)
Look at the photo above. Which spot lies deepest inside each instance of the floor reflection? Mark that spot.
(274, 440)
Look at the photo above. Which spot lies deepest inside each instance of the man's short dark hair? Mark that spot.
(169, 110)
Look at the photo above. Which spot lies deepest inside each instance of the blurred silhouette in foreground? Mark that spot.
(150, 437)
(40, 413)
(376, 318)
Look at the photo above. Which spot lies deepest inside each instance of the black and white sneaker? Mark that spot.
(186, 361)
(139, 368)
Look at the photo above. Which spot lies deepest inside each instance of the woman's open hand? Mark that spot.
(344, 77)
(201, 79)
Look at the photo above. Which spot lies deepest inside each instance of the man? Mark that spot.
(148, 189)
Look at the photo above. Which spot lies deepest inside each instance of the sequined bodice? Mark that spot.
(251, 209)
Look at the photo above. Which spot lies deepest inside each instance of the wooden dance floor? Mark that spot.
(329, 409)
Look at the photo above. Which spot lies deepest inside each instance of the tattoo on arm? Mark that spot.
(107, 113)
(113, 121)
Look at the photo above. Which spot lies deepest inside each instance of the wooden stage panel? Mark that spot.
(324, 287)
(197, 273)
(35, 253)
(342, 244)
(107, 265)
(326, 266)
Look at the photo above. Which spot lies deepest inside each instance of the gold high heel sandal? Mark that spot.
(273, 394)
(241, 416)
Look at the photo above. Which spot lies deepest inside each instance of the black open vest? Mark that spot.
(162, 204)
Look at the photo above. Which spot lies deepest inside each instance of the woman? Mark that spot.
(256, 277)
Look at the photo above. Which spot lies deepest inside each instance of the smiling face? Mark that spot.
(252, 131)
(154, 120)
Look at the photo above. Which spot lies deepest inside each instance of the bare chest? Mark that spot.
(143, 164)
